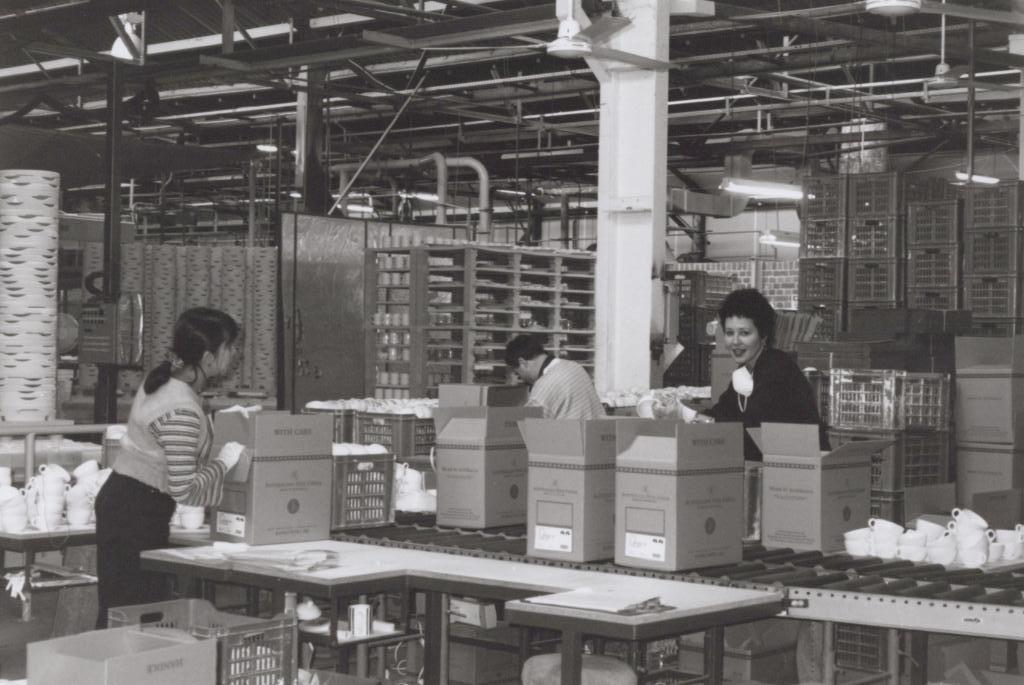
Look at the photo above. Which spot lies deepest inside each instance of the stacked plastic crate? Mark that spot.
(912, 410)
(700, 294)
(874, 242)
(992, 258)
(933, 254)
(823, 228)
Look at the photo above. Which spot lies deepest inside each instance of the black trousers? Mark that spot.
(131, 517)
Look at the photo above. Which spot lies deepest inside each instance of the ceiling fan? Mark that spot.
(950, 77)
(578, 38)
(899, 8)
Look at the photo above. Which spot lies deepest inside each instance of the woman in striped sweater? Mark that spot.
(164, 459)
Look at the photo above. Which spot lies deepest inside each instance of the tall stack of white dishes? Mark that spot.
(29, 205)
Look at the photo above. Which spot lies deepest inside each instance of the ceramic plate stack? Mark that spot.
(29, 207)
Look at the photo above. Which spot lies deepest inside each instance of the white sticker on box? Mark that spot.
(552, 538)
(649, 547)
(231, 524)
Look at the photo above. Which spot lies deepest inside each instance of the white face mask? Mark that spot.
(742, 382)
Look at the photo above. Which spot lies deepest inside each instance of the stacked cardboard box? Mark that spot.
(989, 411)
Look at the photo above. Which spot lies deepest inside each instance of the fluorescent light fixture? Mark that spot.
(359, 209)
(518, 193)
(557, 152)
(762, 190)
(893, 8)
(267, 147)
(976, 178)
(773, 240)
(427, 197)
(295, 194)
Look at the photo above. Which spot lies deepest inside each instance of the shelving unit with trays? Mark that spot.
(992, 251)
(873, 280)
(874, 237)
(997, 205)
(391, 301)
(993, 296)
(824, 197)
(933, 223)
(873, 195)
(823, 237)
(915, 457)
(822, 280)
(466, 302)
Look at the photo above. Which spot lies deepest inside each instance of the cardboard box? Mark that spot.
(481, 466)
(989, 400)
(571, 488)
(280, 491)
(982, 467)
(811, 497)
(678, 494)
(1001, 508)
(482, 665)
(776, 665)
(470, 395)
(938, 499)
(123, 656)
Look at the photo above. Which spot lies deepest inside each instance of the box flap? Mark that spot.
(790, 440)
(477, 395)
(275, 433)
(755, 435)
(641, 442)
(581, 441)
(481, 424)
(939, 498)
(990, 355)
(856, 449)
(1000, 508)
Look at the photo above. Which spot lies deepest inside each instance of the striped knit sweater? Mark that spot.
(565, 391)
(167, 446)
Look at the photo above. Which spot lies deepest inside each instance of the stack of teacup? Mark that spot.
(45, 495)
(188, 517)
(13, 508)
(89, 478)
(884, 539)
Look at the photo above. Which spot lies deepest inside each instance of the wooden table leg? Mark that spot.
(714, 655)
(362, 651)
(435, 623)
(572, 657)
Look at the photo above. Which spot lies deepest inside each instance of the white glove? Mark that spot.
(16, 585)
(229, 454)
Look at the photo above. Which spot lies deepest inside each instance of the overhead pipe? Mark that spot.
(441, 171)
(484, 191)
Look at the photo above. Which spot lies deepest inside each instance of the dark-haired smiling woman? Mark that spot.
(767, 385)
(164, 459)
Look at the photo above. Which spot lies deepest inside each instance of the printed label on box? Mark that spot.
(649, 547)
(231, 524)
(552, 539)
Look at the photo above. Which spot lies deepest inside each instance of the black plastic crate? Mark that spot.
(832, 318)
(924, 187)
(992, 250)
(861, 648)
(821, 279)
(703, 289)
(933, 223)
(997, 327)
(823, 237)
(824, 197)
(933, 267)
(913, 459)
(944, 299)
(992, 296)
(872, 280)
(888, 505)
(878, 237)
(873, 194)
(997, 205)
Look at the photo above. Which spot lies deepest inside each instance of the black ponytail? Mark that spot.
(197, 331)
(159, 375)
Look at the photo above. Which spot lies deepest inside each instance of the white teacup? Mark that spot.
(885, 527)
(79, 516)
(931, 530)
(996, 551)
(969, 518)
(941, 554)
(913, 538)
(1005, 535)
(54, 472)
(913, 552)
(974, 538)
(7, 492)
(86, 469)
(973, 558)
(857, 534)
(191, 517)
(858, 547)
(887, 550)
(1013, 550)
(5, 476)
(13, 523)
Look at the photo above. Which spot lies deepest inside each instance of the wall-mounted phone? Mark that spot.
(111, 331)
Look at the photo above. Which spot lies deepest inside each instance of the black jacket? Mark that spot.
(781, 395)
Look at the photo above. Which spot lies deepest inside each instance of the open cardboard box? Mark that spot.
(811, 497)
(123, 656)
(474, 395)
(571, 488)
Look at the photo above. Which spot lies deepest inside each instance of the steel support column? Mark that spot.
(309, 138)
(105, 399)
(631, 199)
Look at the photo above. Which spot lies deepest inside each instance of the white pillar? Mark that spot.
(1016, 47)
(631, 200)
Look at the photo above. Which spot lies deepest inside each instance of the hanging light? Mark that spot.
(268, 148)
(762, 190)
(893, 8)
